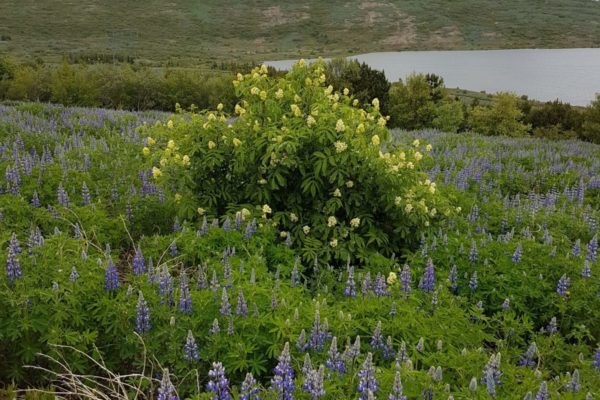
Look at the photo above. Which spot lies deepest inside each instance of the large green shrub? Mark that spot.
(503, 118)
(305, 158)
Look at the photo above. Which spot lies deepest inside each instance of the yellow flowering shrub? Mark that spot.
(301, 157)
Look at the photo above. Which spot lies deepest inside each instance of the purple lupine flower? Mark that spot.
(377, 337)
(63, 196)
(111, 277)
(230, 326)
(473, 254)
(586, 272)
(202, 280)
(552, 327)
(351, 352)
(380, 286)
(74, 274)
(176, 225)
(393, 310)
(283, 380)
(241, 307)
(225, 305)
(214, 329)
(367, 383)
(402, 354)
(239, 219)
(596, 362)
(573, 386)
(218, 382)
(576, 251)
(429, 277)
(318, 333)
(453, 278)
(350, 289)
(592, 253)
(35, 200)
(388, 348)
(492, 369)
(406, 279)
(295, 278)
(165, 286)
(307, 364)
(227, 225)
(166, 391)
(473, 281)
(335, 361)
(274, 300)
(190, 348)
(214, 282)
(517, 254)
(203, 230)
(543, 394)
(13, 265)
(138, 262)
(506, 304)
(250, 229)
(249, 389)
(397, 389)
(527, 359)
(420, 345)
(185, 297)
(490, 384)
(366, 285)
(173, 250)
(35, 239)
(142, 320)
(563, 285)
(85, 195)
(301, 343)
(313, 383)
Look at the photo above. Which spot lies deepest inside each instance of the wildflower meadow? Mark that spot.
(296, 249)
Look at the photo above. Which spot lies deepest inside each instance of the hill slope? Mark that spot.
(189, 30)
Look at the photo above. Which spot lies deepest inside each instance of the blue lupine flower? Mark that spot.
(353, 351)
(492, 369)
(402, 354)
(406, 279)
(249, 389)
(35, 239)
(227, 225)
(388, 348)
(366, 285)
(367, 382)
(350, 289)
(586, 272)
(218, 382)
(453, 278)
(335, 361)
(74, 274)
(429, 277)
(295, 278)
(596, 362)
(13, 265)
(420, 345)
(241, 308)
(563, 285)
(138, 262)
(380, 286)
(397, 389)
(166, 391)
(318, 333)
(63, 196)
(35, 200)
(473, 254)
(473, 281)
(142, 321)
(185, 297)
(490, 384)
(527, 359)
(313, 383)
(173, 250)
(85, 195)
(176, 225)
(225, 305)
(576, 251)
(230, 330)
(552, 326)
(214, 329)
(250, 229)
(301, 343)
(393, 310)
(165, 286)
(111, 277)
(517, 254)
(283, 380)
(190, 348)
(574, 385)
(203, 230)
(543, 394)
(506, 304)
(377, 337)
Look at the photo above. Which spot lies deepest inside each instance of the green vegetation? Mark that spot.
(192, 32)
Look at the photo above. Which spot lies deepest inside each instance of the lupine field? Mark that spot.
(109, 285)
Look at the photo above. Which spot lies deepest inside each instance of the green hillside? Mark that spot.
(188, 31)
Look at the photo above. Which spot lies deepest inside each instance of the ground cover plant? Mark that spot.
(119, 257)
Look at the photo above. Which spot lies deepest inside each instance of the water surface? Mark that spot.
(571, 75)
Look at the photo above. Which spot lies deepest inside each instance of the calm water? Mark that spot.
(571, 75)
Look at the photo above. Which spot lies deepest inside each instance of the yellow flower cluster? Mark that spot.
(340, 146)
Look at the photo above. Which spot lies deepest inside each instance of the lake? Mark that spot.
(571, 75)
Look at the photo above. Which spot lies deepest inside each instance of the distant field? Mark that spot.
(190, 31)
